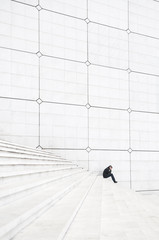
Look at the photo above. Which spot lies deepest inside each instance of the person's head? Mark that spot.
(110, 167)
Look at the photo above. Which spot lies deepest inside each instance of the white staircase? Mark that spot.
(45, 197)
(32, 181)
(97, 209)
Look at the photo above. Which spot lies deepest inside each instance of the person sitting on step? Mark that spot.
(107, 173)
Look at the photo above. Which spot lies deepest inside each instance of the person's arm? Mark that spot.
(107, 170)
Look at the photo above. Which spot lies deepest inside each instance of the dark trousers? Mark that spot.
(110, 175)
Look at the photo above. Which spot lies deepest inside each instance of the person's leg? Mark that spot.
(112, 176)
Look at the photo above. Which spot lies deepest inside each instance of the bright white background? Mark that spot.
(81, 78)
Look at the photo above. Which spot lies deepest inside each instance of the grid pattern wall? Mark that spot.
(82, 78)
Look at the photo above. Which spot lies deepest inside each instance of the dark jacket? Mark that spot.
(106, 171)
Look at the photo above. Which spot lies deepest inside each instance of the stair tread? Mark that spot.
(16, 151)
(21, 206)
(109, 212)
(11, 174)
(31, 181)
(36, 164)
(15, 192)
(51, 222)
(86, 224)
(14, 156)
(27, 148)
(6, 188)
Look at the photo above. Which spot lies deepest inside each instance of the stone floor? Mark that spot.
(98, 209)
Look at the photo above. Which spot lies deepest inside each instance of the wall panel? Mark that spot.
(63, 81)
(81, 78)
(63, 126)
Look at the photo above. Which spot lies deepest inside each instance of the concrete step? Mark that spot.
(85, 222)
(30, 166)
(108, 211)
(51, 223)
(7, 177)
(17, 190)
(30, 157)
(10, 146)
(21, 160)
(34, 178)
(31, 177)
(4, 151)
(19, 214)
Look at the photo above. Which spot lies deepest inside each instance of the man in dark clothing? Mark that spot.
(107, 173)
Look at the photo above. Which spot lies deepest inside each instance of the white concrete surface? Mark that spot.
(110, 211)
(68, 202)
(82, 78)
(31, 181)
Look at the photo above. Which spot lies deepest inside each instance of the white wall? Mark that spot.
(82, 78)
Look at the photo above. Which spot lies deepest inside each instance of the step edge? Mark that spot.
(17, 224)
(35, 186)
